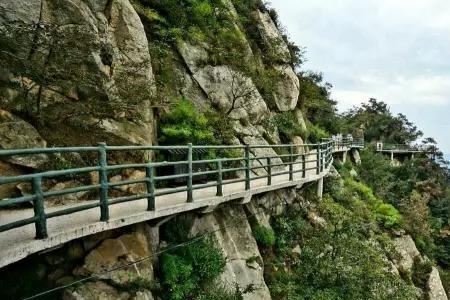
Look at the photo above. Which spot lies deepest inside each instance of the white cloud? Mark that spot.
(394, 50)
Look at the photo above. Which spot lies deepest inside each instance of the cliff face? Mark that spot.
(72, 67)
(76, 72)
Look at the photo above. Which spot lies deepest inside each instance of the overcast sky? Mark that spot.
(397, 51)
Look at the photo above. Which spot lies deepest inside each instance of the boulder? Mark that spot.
(316, 220)
(8, 190)
(239, 247)
(298, 145)
(15, 133)
(300, 119)
(272, 37)
(262, 152)
(101, 86)
(355, 156)
(97, 290)
(67, 198)
(143, 295)
(135, 189)
(195, 56)
(232, 92)
(407, 252)
(112, 253)
(288, 88)
(435, 288)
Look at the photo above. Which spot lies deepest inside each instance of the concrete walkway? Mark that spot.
(19, 243)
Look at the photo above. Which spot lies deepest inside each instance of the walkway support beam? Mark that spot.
(190, 197)
(38, 207)
(247, 167)
(320, 188)
(103, 178)
(150, 188)
(219, 179)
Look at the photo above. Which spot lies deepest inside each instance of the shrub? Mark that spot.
(288, 126)
(388, 215)
(177, 276)
(187, 271)
(316, 134)
(207, 261)
(362, 190)
(264, 236)
(220, 292)
(421, 272)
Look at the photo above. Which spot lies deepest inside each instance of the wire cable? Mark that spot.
(187, 243)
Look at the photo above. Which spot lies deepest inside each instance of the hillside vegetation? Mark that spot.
(217, 72)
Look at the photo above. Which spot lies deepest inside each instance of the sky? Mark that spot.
(397, 51)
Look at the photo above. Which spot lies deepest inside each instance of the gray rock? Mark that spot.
(356, 157)
(97, 290)
(232, 92)
(238, 246)
(300, 119)
(143, 295)
(117, 252)
(15, 133)
(435, 288)
(407, 251)
(272, 37)
(299, 147)
(194, 56)
(8, 190)
(112, 64)
(288, 88)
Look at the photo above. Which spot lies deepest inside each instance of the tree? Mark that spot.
(380, 124)
(241, 92)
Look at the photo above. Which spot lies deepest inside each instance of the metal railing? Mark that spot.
(275, 165)
(400, 147)
(345, 143)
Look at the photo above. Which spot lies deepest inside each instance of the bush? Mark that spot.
(316, 134)
(177, 276)
(264, 236)
(219, 292)
(187, 271)
(421, 272)
(288, 126)
(183, 124)
(363, 191)
(388, 215)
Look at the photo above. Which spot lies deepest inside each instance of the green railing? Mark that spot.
(400, 147)
(345, 143)
(276, 165)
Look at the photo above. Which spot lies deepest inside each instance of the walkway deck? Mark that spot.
(18, 243)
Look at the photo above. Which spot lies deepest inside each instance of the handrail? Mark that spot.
(400, 147)
(285, 163)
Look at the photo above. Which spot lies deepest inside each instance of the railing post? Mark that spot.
(189, 181)
(103, 178)
(269, 171)
(304, 166)
(318, 159)
(150, 187)
(38, 206)
(219, 179)
(291, 160)
(324, 155)
(247, 167)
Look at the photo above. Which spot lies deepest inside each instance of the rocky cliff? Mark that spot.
(102, 67)
(78, 72)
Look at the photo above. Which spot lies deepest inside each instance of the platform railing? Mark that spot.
(345, 143)
(400, 147)
(290, 155)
